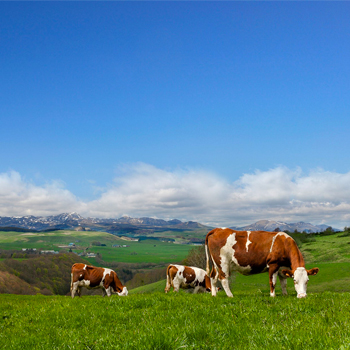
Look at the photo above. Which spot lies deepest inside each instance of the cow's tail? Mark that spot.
(208, 256)
(168, 280)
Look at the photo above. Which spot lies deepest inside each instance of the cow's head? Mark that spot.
(124, 292)
(118, 287)
(300, 278)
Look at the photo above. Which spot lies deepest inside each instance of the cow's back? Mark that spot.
(88, 273)
(245, 251)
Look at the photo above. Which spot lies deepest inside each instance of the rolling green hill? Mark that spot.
(110, 247)
(331, 253)
(327, 248)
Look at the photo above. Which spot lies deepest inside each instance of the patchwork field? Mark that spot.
(145, 251)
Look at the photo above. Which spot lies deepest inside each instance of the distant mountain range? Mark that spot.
(269, 225)
(76, 221)
(144, 225)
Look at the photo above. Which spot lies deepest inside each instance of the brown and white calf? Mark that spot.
(93, 277)
(252, 252)
(179, 276)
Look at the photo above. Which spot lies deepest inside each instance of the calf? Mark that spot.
(93, 277)
(179, 276)
(252, 252)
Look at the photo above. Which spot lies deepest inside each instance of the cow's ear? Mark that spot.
(313, 271)
(287, 273)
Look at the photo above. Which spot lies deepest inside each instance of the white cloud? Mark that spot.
(144, 190)
(20, 197)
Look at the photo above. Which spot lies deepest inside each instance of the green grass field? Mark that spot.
(176, 321)
(150, 319)
(332, 248)
(147, 251)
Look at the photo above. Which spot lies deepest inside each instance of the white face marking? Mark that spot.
(124, 292)
(300, 278)
(228, 259)
(248, 241)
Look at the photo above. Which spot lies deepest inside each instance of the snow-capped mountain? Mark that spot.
(270, 225)
(73, 220)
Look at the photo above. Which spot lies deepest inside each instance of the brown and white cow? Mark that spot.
(93, 277)
(179, 276)
(252, 252)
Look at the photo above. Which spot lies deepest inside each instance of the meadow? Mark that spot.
(150, 319)
(176, 321)
(145, 251)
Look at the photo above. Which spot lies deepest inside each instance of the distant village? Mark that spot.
(71, 246)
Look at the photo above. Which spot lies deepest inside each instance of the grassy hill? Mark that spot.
(135, 262)
(334, 277)
(150, 319)
(145, 251)
(331, 253)
(327, 248)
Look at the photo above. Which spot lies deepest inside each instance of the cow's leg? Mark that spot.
(273, 272)
(73, 289)
(79, 291)
(108, 291)
(176, 286)
(226, 286)
(213, 280)
(104, 292)
(168, 284)
(196, 290)
(283, 282)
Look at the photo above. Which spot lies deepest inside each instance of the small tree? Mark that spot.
(329, 230)
(196, 257)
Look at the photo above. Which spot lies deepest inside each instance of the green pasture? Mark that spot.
(182, 236)
(327, 248)
(316, 248)
(150, 251)
(176, 321)
(146, 251)
(334, 277)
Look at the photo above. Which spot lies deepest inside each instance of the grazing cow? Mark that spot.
(179, 276)
(93, 277)
(252, 252)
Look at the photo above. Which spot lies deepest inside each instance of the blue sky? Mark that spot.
(176, 110)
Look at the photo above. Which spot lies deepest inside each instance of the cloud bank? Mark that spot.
(144, 190)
